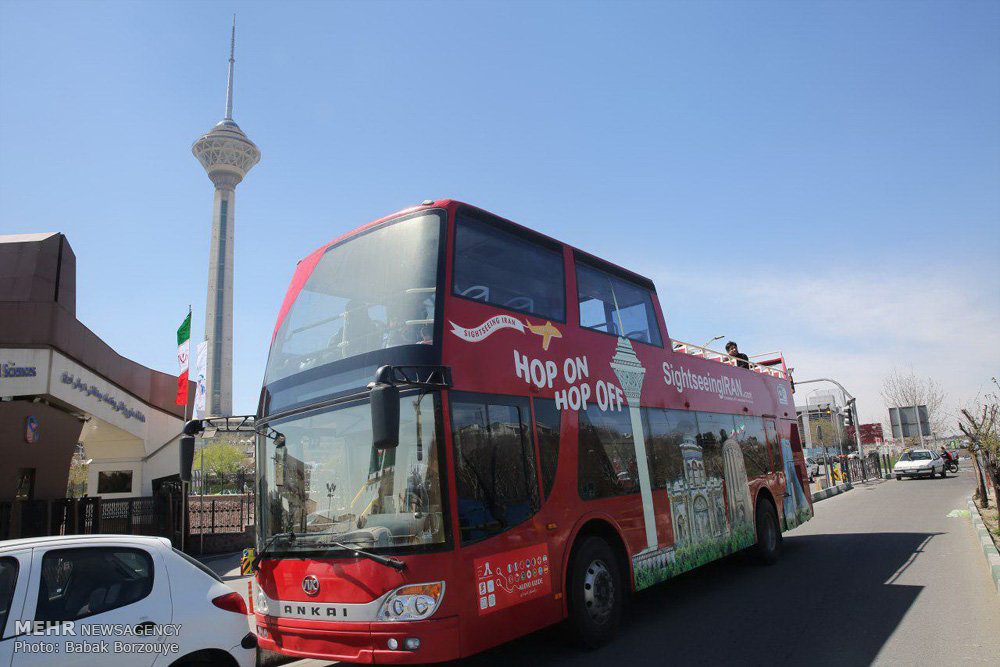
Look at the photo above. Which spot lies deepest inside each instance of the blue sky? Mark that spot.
(823, 178)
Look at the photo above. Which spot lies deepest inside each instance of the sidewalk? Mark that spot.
(226, 566)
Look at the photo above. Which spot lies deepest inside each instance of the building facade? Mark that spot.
(61, 385)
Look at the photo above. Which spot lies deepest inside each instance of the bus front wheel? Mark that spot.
(596, 593)
(768, 547)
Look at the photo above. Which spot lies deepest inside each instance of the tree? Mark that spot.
(227, 461)
(902, 389)
(77, 481)
(981, 425)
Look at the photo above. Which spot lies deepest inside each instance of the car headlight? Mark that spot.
(413, 602)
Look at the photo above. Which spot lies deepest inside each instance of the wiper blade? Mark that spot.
(274, 538)
(394, 563)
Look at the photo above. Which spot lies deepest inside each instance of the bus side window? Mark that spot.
(750, 433)
(495, 477)
(616, 306)
(547, 418)
(666, 431)
(607, 465)
(777, 464)
(507, 270)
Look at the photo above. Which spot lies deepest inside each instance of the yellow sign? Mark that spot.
(547, 331)
(246, 562)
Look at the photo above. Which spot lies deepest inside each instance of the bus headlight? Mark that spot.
(261, 602)
(412, 602)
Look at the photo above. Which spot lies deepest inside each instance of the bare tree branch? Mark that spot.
(903, 389)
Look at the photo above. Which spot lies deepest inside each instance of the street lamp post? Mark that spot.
(851, 405)
(719, 337)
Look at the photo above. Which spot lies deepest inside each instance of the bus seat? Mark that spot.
(477, 292)
(521, 303)
(641, 335)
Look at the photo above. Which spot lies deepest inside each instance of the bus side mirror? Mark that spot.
(187, 457)
(385, 415)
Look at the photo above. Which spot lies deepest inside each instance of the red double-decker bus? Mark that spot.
(469, 431)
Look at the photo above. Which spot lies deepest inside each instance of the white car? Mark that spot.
(917, 462)
(116, 600)
(812, 468)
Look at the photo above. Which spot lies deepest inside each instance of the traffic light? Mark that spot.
(849, 417)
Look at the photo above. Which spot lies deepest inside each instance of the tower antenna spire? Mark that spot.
(232, 65)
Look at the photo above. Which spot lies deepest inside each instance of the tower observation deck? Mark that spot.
(227, 154)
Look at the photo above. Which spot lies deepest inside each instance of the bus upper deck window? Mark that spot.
(507, 270)
(615, 306)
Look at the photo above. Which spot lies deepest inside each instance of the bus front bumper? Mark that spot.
(365, 642)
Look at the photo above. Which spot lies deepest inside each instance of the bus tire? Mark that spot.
(595, 595)
(768, 547)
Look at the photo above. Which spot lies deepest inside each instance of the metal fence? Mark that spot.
(131, 516)
(220, 514)
(862, 470)
(157, 515)
(75, 516)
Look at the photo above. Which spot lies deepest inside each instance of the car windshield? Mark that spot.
(375, 290)
(331, 484)
(915, 456)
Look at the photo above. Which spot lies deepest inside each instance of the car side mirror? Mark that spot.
(385, 415)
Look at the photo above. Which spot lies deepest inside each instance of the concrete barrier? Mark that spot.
(823, 494)
(986, 543)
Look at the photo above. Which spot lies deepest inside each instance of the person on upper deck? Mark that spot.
(741, 359)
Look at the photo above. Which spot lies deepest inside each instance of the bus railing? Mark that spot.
(722, 357)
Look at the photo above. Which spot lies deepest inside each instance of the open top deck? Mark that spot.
(769, 363)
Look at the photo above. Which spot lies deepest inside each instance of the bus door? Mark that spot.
(505, 580)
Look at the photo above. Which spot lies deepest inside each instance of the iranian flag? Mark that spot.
(183, 348)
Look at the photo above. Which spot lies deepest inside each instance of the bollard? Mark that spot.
(250, 596)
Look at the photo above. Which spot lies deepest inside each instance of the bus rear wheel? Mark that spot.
(596, 592)
(768, 547)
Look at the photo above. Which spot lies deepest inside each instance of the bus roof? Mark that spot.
(308, 263)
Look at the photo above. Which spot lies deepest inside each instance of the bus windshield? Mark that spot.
(330, 484)
(375, 290)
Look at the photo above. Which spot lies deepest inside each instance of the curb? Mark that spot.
(989, 549)
(831, 491)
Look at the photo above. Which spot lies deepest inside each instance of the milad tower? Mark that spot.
(227, 154)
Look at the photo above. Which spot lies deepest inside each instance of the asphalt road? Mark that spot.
(880, 575)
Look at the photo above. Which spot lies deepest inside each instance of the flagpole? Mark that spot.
(187, 397)
(185, 525)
